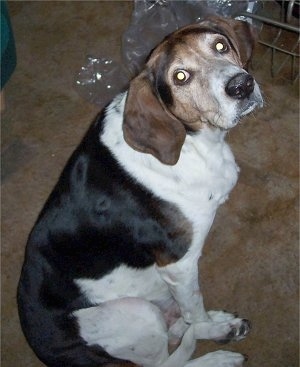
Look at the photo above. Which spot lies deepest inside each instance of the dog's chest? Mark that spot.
(208, 173)
(200, 182)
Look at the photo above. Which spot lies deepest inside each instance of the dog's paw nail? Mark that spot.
(246, 327)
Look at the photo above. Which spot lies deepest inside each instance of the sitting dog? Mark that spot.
(110, 275)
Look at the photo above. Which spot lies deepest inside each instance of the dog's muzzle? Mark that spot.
(243, 88)
(240, 86)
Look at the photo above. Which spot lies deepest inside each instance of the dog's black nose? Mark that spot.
(240, 86)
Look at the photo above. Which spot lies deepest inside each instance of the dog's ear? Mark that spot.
(242, 35)
(148, 127)
(246, 38)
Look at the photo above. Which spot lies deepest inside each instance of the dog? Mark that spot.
(110, 276)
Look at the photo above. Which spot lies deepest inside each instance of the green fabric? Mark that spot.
(8, 50)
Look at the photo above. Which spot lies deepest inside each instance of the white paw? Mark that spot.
(222, 327)
(221, 358)
(220, 316)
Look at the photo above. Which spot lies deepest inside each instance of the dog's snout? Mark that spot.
(240, 86)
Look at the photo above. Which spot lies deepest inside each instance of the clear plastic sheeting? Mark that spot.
(100, 78)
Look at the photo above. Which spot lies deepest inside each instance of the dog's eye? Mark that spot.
(221, 47)
(181, 76)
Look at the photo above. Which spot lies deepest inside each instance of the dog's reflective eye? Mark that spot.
(221, 47)
(181, 76)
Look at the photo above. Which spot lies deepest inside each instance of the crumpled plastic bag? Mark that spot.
(100, 79)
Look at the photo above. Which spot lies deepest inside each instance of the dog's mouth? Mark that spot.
(254, 101)
(249, 108)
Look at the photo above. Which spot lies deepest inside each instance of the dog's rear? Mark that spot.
(110, 275)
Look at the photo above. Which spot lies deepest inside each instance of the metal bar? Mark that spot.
(291, 53)
(291, 57)
(293, 68)
(272, 62)
(273, 22)
(290, 10)
(279, 48)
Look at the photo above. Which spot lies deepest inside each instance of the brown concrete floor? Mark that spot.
(250, 262)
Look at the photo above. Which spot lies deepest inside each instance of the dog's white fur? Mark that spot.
(200, 181)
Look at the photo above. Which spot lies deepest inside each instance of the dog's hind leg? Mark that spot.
(133, 329)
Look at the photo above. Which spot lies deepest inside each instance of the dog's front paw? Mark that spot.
(220, 358)
(239, 328)
(238, 332)
(222, 327)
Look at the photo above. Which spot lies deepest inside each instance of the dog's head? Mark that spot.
(196, 76)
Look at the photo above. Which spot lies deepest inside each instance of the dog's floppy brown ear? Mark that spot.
(147, 125)
(246, 38)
